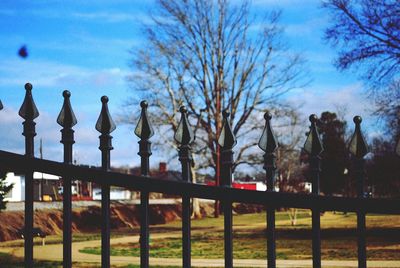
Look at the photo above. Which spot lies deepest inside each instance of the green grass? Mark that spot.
(293, 242)
(9, 261)
(238, 220)
(58, 239)
(252, 245)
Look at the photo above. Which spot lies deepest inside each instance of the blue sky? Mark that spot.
(84, 46)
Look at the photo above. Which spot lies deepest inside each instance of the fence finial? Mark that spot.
(66, 118)
(1, 105)
(143, 129)
(313, 144)
(226, 138)
(184, 134)
(269, 145)
(105, 124)
(267, 141)
(358, 146)
(28, 108)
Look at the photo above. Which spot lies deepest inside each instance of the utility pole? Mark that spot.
(41, 181)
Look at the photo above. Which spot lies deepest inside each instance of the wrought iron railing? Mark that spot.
(184, 136)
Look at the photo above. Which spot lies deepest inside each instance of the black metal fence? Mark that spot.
(184, 137)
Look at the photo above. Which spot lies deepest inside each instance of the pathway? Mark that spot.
(54, 253)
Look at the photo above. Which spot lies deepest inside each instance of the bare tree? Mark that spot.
(368, 35)
(290, 168)
(213, 55)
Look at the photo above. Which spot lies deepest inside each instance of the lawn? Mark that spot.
(56, 239)
(293, 242)
(9, 261)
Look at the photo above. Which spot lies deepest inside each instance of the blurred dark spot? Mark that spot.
(23, 52)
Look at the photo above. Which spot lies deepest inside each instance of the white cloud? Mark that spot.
(351, 98)
(14, 72)
(87, 142)
(11, 128)
(11, 138)
(317, 100)
(87, 85)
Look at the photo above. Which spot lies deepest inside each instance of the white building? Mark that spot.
(45, 185)
(17, 193)
(116, 193)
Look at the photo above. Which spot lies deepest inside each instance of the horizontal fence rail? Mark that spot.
(18, 162)
(184, 137)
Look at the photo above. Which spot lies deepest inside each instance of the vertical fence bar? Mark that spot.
(313, 147)
(144, 131)
(186, 234)
(184, 137)
(29, 112)
(105, 125)
(227, 141)
(269, 145)
(358, 149)
(67, 120)
(144, 229)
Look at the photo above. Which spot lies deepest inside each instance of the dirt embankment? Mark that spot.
(89, 219)
(84, 219)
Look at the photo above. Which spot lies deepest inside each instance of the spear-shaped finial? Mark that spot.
(105, 124)
(66, 118)
(1, 105)
(143, 128)
(358, 146)
(144, 131)
(269, 145)
(313, 144)
(184, 134)
(226, 139)
(267, 141)
(28, 110)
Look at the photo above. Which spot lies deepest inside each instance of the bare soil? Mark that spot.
(83, 220)
(89, 219)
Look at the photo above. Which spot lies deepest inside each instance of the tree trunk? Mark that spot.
(196, 213)
(217, 151)
(292, 212)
